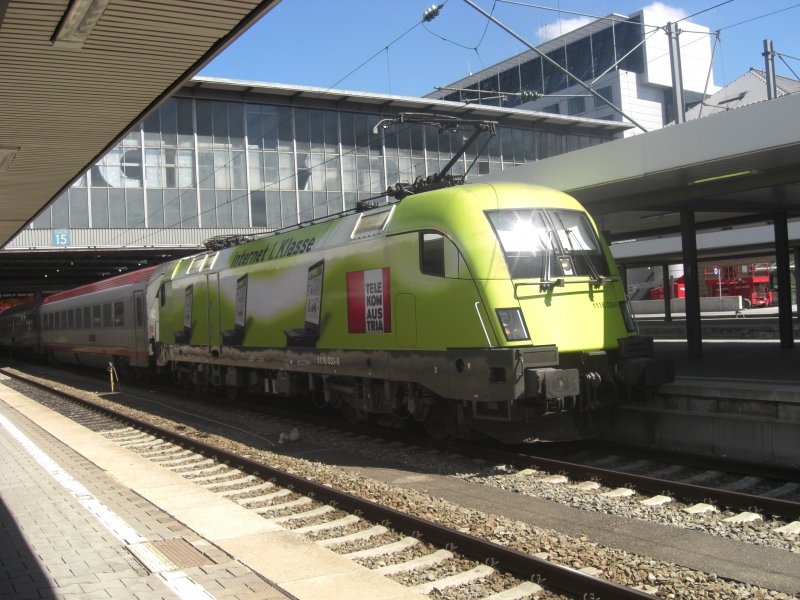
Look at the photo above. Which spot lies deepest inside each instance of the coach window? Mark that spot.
(96, 321)
(57, 320)
(119, 314)
(78, 318)
(63, 319)
(108, 321)
(71, 319)
(139, 312)
(87, 317)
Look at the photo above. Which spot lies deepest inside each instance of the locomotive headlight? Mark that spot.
(513, 324)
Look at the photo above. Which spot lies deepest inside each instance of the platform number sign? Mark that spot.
(61, 237)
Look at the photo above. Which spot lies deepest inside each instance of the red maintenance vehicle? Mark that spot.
(751, 282)
(678, 290)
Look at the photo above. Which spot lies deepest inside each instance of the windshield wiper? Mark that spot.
(597, 279)
(546, 283)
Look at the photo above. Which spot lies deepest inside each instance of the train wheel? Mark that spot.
(440, 421)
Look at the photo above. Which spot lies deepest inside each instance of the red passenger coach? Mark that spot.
(98, 323)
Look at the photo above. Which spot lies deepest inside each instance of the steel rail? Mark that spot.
(518, 563)
(738, 500)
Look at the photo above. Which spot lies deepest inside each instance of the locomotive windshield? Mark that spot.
(545, 243)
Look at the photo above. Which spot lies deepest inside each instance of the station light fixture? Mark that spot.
(77, 23)
(722, 177)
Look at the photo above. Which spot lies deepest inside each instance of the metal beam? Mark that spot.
(691, 279)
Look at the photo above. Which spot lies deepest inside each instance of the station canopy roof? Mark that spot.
(734, 169)
(75, 75)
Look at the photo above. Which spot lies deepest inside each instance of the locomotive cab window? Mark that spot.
(438, 256)
(119, 314)
(549, 243)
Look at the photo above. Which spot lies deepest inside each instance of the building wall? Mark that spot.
(216, 164)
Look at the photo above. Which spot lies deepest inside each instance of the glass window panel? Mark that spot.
(303, 171)
(316, 130)
(238, 165)
(169, 122)
(306, 202)
(347, 121)
(119, 314)
(284, 125)
(43, 219)
(185, 168)
(269, 115)
(258, 208)
(349, 173)
(241, 212)
(375, 139)
(133, 139)
(223, 208)
(404, 141)
(302, 132)
(320, 204)
(204, 119)
(255, 136)
(185, 122)
(362, 172)
(273, 209)
(87, 317)
(131, 168)
(331, 127)
(362, 137)
(318, 172)
(333, 175)
(153, 174)
(286, 171)
(334, 203)
(255, 160)
(79, 207)
(188, 199)
(208, 208)
(288, 209)
(172, 208)
(99, 201)
(205, 160)
(108, 319)
(220, 123)
(135, 208)
(96, 321)
(152, 130)
(236, 124)
(155, 208)
(377, 176)
(61, 211)
(350, 199)
(271, 171)
(576, 105)
(222, 180)
(116, 208)
(529, 141)
(417, 141)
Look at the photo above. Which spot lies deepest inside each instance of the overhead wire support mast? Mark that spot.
(544, 56)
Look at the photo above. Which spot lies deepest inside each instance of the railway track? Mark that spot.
(421, 547)
(504, 469)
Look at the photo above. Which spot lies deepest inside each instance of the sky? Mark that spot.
(382, 46)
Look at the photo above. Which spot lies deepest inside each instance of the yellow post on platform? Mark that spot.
(112, 374)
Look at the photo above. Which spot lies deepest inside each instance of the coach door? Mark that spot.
(139, 358)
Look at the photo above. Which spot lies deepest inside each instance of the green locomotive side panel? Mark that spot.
(359, 282)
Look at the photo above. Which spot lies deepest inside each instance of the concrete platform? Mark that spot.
(82, 516)
(740, 400)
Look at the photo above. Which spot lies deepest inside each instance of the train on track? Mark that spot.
(491, 308)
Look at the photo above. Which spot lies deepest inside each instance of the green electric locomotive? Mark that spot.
(491, 308)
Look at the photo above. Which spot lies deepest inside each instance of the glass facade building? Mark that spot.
(215, 161)
(609, 45)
